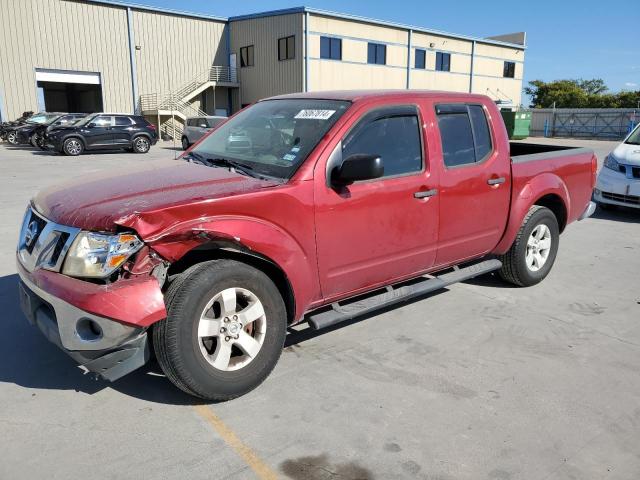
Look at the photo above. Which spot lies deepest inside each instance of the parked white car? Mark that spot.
(619, 180)
(196, 127)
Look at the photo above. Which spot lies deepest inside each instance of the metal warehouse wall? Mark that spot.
(353, 71)
(63, 35)
(174, 49)
(269, 76)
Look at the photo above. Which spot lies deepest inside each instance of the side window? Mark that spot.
(246, 56)
(102, 121)
(464, 133)
(287, 48)
(394, 137)
(123, 121)
(377, 53)
(443, 61)
(420, 61)
(509, 70)
(331, 48)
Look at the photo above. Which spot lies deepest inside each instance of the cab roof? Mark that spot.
(359, 95)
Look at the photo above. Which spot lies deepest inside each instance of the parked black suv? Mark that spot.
(103, 131)
(32, 132)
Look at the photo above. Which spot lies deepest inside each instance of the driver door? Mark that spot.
(377, 231)
(99, 133)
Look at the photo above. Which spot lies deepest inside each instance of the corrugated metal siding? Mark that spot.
(269, 76)
(63, 35)
(175, 49)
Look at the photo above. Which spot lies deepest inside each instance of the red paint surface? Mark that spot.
(330, 245)
(137, 301)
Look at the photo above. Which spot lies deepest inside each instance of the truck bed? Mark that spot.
(524, 152)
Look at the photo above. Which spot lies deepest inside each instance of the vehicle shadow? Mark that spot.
(28, 359)
(617, 214)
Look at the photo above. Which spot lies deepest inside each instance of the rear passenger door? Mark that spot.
(123, 130)
(475, 182)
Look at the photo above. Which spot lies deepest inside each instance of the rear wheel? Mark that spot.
(224, 331)
(185, 143)
(141, 145)
(12, 138)
(530, 258)
(72, 147)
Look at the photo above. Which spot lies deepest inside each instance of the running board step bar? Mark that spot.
(342, 313)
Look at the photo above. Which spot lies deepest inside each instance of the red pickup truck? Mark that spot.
(313, 207)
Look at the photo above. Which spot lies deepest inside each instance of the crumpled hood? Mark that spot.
(104, 200)
(627, 154)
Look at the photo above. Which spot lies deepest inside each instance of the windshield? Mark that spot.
(634, 138)
(43, 118)
(273, 137)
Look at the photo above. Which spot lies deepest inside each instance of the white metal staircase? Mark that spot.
(178, 104)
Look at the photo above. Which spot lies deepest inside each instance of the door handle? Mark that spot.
(496, 181)
(426, 193)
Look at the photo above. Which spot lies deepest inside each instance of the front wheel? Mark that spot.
(530, 258)
(141, 145)
(224, 331)
(185, 143)
(72, 147)
(12, 138)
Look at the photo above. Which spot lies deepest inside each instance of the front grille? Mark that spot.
(630, 199)
(43, 243)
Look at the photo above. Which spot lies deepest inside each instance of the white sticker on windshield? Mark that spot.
(314, 114)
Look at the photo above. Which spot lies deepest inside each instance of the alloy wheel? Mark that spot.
(232, 329)
(538, 247)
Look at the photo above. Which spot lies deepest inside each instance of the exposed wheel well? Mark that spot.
(211, 252)
(556, 205)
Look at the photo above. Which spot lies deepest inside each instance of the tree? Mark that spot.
(578, 94)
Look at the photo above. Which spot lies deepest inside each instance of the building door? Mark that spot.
(68, 91)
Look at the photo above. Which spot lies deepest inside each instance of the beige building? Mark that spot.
(100, 55)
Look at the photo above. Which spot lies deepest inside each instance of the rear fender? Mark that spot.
(524, 198)
(251, 236)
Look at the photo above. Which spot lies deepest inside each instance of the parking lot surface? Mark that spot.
(478, 381)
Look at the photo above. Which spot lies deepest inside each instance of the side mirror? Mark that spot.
(91, 125)
(359, 166)
(204, 125)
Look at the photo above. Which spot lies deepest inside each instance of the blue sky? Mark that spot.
(566, 38)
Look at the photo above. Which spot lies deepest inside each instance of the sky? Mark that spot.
(565, 38)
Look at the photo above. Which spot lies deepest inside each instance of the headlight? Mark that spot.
(98, 255)
(612, 163)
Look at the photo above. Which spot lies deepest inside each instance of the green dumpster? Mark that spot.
(517, 123)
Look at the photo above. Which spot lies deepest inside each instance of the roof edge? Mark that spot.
(149, 8)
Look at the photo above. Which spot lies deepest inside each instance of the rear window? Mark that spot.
(123, 121)
(464, 134)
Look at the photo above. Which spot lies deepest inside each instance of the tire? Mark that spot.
(141, 144)
(72, 146)
(191, 358)
(185, 143)
(34, 140)
(12, 138)
(528, 262)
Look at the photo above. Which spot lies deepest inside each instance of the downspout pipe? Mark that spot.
(473, 56)
(306, 51)
(132, 60)
(409, 47)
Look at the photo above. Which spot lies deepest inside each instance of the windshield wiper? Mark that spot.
(222, 162)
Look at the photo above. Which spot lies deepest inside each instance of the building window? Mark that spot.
(509, 70)
(420, 60)
(287, 48)
(443, 61)
(331, 48)
(246, 56)
(377, 53)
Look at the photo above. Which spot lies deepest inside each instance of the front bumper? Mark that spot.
(100, 344)
(616, 188)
